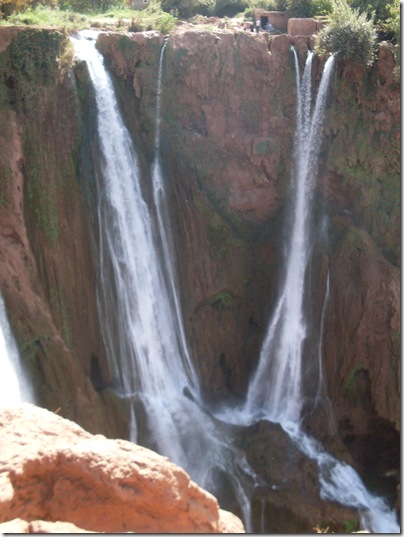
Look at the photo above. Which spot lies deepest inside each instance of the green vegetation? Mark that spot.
(47, 16)
(353, 38)
(381, 9)
(350, 35)
(70, 17)
(41, 197)
(5, 179)
(189, 8)
(223, 300)
(32, 60)
(350, 380)
(352, 525)
(59, 309)
(230, 8)
(308, 8)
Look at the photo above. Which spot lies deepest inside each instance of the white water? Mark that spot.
(14, 387)
(166, 240)
(141, 314)
(275, 391)
(140, 308)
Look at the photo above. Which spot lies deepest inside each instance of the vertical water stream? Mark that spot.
(14, 386)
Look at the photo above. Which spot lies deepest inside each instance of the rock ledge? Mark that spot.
(53, 470)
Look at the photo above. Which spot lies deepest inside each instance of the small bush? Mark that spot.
(281, 5)
(166, 23)
(389, 28)
(268, 5)
(46, 16)
(229, 8)
(189, 8)
(349, 35)
(308, 8)
(90, 6)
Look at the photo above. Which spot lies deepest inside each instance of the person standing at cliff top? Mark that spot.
(257, 25)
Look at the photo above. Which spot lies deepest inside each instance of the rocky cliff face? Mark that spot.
(228, 126)
(45, 235)
(227, 142)
(228, 119)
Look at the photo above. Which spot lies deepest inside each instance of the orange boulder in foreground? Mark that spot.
(53, 470)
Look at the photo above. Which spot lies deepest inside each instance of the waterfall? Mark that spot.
(140, 308)
(275, 390)
(165, 235)
(14, 387)
(140, 312)
(140, 332)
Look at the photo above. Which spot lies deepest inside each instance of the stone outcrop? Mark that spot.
(17, 525)
(52, 470)
(286, 471)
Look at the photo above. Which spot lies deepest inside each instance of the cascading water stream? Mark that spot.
(164, 228)
(14, 387)
(140, 308)
(134, 299)
(275, 390)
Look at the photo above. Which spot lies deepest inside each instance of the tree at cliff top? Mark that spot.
(381, 9)
(189, 8)
(221, 8)
(308, 8)
(91, 6)
(349, 35)
(8, 7)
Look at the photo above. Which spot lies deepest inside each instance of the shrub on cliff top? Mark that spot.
(308, 8)
(188, 8)
(381, 9)
(229, 8)
(349, 35)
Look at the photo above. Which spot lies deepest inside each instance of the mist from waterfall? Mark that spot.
(140, 312)
(14, 386)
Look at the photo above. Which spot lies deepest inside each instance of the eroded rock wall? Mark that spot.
(228, 122)
(47, 274)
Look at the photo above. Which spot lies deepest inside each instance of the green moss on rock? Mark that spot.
(31, 61)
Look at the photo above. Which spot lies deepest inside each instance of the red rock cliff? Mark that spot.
(228, 126)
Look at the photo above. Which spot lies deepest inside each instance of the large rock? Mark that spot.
(39, 526)
(53, 470)
(288, 500)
